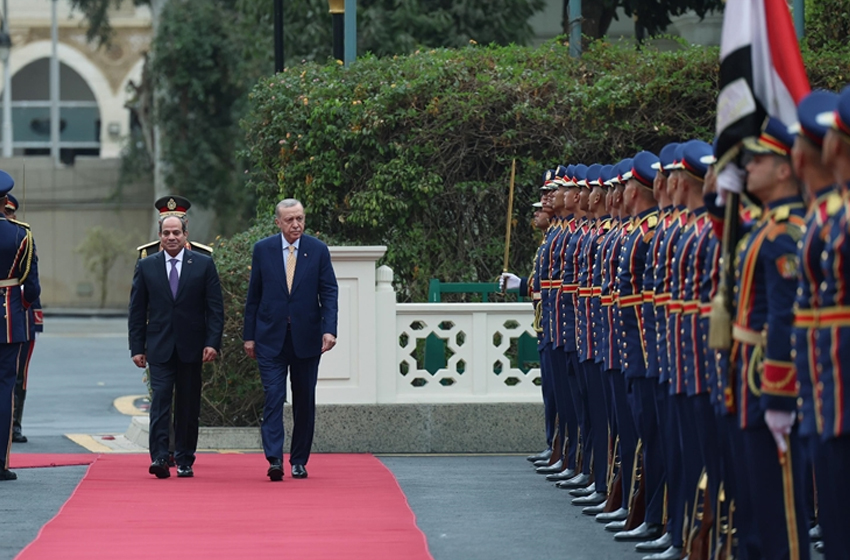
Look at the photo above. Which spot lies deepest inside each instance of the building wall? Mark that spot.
(61, 205)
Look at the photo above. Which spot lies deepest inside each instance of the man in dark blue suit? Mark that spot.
(290, 321)
(19, 263)
(175, 325)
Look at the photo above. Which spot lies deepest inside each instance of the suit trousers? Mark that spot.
(8, 372)
(304, 374)
(182, 382)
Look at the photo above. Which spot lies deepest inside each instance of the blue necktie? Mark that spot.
(173, 278)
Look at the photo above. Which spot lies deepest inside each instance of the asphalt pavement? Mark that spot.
(469, 507)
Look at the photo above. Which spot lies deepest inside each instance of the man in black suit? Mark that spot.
(176, 323)
(290, 320)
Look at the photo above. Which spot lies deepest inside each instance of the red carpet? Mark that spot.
(35, 460)
(350, 507)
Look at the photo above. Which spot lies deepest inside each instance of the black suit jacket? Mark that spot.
(159, 322)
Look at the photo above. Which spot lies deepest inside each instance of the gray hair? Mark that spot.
(286, 203)
(183, 222)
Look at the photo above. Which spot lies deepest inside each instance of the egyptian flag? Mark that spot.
(761, 71)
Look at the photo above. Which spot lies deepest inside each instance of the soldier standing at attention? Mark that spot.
(172, 206)
(19, 260)
(35, 324)
(833, 341)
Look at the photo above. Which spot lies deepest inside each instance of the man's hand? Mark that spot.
(508, 281)
(209, 354)
(249, 349)
(328, 342)
(140, 360)
(780, 422)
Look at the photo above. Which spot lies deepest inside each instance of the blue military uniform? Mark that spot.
(766, 283)
(19, 261)
(35, 324)
(832, 392)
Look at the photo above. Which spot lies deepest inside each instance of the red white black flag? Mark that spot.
(761, 71)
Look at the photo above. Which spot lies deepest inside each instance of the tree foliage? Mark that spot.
(827, 24)
(653, 15)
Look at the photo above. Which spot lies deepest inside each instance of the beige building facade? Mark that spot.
(63, 202)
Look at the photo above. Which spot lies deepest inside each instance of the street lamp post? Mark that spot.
(5, 50)
(337, 9)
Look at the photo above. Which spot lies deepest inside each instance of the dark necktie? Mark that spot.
(173, 278)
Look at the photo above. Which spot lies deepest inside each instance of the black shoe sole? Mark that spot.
(159, 472)
(189, 474)
(275, 474)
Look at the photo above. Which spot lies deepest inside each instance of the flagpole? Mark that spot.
(510, 217)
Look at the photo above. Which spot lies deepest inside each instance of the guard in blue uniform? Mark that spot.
(824, 201)
(172, 205)
(593, 203)
(567, 421)
(766, 267)
(35, 324)
(533, 285)
(639, 203)
(832, 397)
(19, 261)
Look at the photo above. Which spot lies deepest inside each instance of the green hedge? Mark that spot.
(415, 153)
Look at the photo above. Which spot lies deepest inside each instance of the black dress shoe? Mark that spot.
(591, 499)
(565, 474)
(17, 436)
(275, 472)
(542, 456)
(663, 542)
(617, 526)
(594, 510)
(159, 468)
(581, 492)
(616, 515)
(298, 471)
(555, 467)
(643, 532)
(672, 553)
(578, 481)
(7, 475)
(185, 471)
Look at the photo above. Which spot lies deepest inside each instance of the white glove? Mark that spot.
(508, 281)
(780, 422)
(730, 179)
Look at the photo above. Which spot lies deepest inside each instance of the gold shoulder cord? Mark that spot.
(29, 253)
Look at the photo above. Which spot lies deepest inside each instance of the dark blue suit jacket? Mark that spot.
(311, 308)
(193, 320)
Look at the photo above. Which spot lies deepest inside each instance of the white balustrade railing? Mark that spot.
(423, 352)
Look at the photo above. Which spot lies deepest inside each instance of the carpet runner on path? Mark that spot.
(350, 507)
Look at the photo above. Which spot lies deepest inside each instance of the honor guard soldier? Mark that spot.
(570, 311)
(534, 285)
(35, 324)
(639, 203)
(824, 201)
(172, 206)
(765, 385)
(567, 419)
(833, 340)
(19, 261)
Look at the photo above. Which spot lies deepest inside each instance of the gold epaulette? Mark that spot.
(143, 249)
(201, 246)
(652, 220)
(833, 203)
(22, 224)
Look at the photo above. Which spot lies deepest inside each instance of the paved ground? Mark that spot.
(470, 507)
